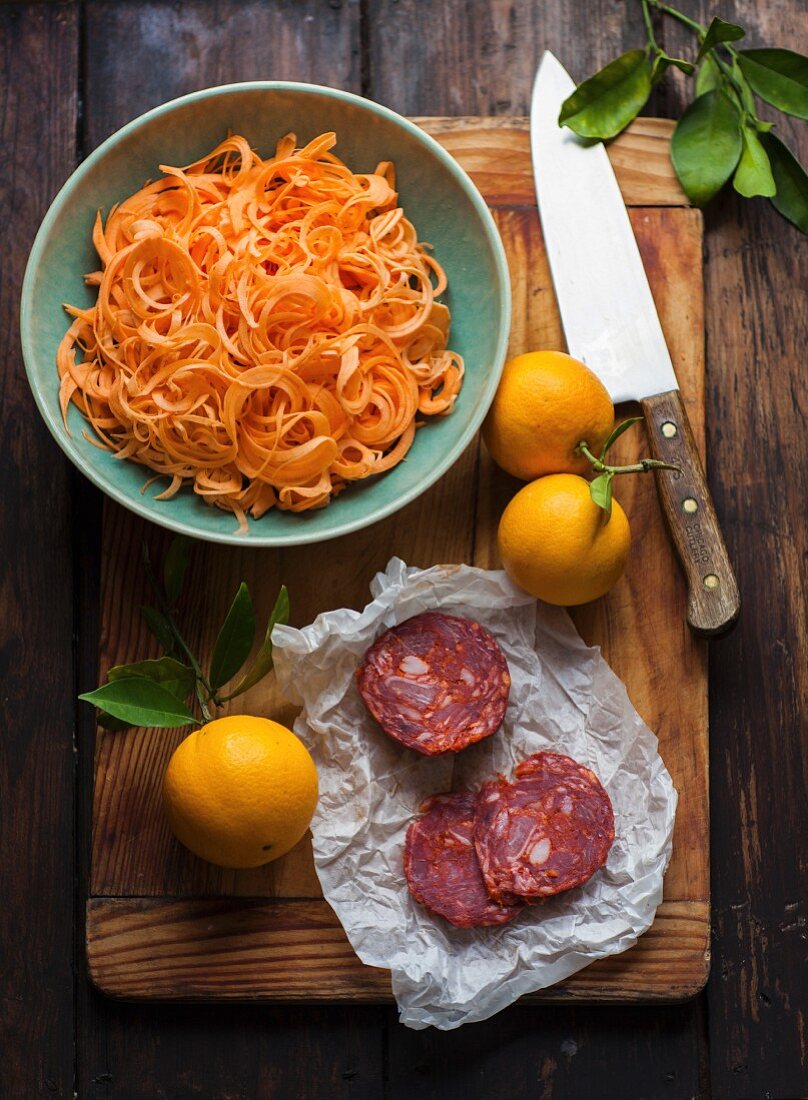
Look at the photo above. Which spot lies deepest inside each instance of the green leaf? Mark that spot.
(140, 703)
(706, 145)
(605, 103)
(159, 626)
(753, 176)
(600, 489)
(739, 91)
(719, 31)
(708, 76)
(263, 661)
(235, 639)
(617, 431)
(778, 76)
(663, 62)
(174, 676)
(791, 199)
(174, 567)
(114, 725)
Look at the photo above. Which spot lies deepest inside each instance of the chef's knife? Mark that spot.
(611, 324)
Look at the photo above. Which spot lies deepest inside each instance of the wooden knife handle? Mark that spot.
(713, 602)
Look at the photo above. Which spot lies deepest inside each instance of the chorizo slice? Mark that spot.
(441, 868)
(436, 683)
(546, 832)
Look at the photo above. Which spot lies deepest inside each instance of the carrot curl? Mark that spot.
(265, 330)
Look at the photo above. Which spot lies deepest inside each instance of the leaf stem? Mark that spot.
(733, 80)
(678, 15)
(735, 83)
(649, 26)
(165, 608)
(206, 714)
(641, 467)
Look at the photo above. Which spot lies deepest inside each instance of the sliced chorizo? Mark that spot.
(546, 832)
(441, 868)
(436, 683)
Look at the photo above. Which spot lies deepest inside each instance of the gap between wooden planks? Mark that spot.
(162, 924)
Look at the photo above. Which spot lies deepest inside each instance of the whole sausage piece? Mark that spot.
(546, 832)
(436, 683)
(441, 866)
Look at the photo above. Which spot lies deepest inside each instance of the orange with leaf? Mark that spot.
(562, 538)
(241, 790)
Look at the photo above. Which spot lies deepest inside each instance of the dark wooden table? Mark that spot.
(70, 74)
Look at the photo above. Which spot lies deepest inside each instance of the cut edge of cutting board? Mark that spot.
(190, 949)
(193, 946)
(496, 154)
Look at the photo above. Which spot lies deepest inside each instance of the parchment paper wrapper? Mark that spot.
(564, 698)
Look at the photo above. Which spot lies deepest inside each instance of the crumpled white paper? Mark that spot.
(565, 698)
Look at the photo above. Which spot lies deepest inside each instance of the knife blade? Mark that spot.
(610, 323)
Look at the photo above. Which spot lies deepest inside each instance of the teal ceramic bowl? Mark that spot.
(437, 196)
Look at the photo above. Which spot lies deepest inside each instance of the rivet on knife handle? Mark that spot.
(713, 602)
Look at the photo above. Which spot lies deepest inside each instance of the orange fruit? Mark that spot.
(545, 405)
(240, 791)
(560, 546)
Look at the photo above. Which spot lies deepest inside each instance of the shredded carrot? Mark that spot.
(266, 330)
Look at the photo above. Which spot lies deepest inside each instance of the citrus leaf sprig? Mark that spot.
(156, 692)
(720, 136)
(601, 487)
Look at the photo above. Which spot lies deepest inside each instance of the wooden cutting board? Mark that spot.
(163, 924)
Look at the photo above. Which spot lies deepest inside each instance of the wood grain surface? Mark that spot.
(756, 275)
(496, 154)
(108, 60)
(192, 949)
(640, 627)
(38, 47)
